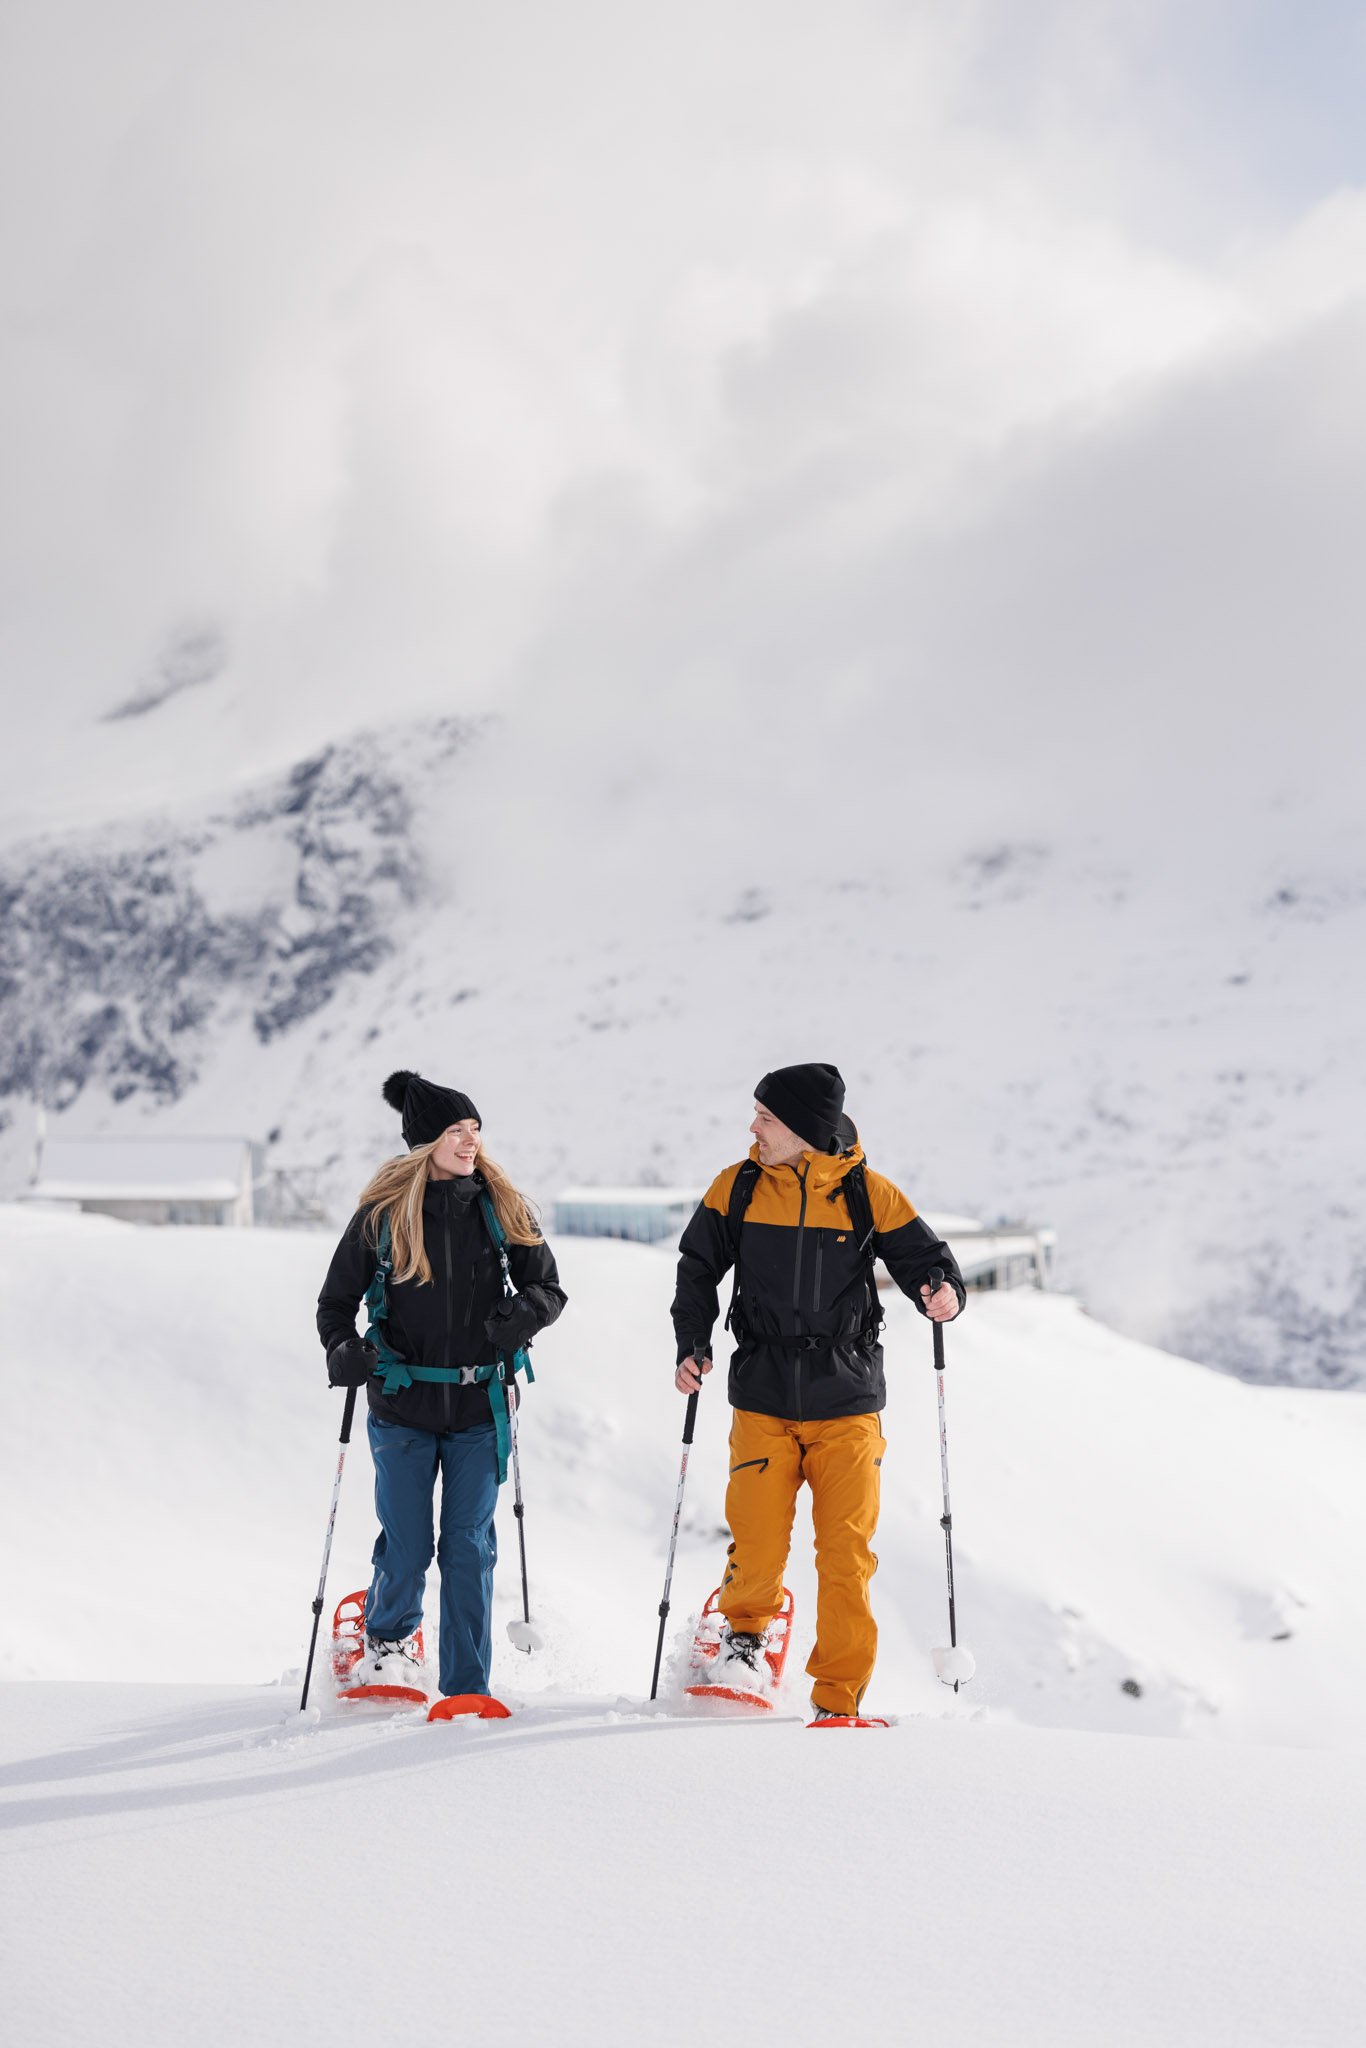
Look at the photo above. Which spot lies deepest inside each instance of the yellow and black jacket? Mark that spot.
(805, 1315)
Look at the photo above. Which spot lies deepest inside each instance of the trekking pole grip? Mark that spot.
(934, 1282)
(699, 1352)
(348, 1413)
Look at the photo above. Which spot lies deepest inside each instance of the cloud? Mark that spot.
(1137, 630)
(702, 389)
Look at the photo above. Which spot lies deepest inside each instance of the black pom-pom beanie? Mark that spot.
(426, 1108)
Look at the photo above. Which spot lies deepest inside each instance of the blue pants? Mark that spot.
(406, 1464)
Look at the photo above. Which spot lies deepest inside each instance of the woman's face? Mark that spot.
(456, 1150)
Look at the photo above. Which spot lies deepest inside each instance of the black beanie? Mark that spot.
(426, 1109)
(810, 1101)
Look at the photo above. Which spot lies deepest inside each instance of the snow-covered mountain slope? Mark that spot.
(1015, 1865)
(127, 952)
(1153, 1054)
(592, 1875)
(1141, 1546)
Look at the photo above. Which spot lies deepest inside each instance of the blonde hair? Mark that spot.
(396, 1191)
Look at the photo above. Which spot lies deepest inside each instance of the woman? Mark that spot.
(420, 1250)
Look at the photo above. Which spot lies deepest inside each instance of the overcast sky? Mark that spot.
(780, 396)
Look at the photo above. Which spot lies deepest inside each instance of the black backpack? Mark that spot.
(855, 1189)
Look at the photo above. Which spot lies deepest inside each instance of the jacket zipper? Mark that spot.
(816, 1290)
(797, 1292)
(450, 1313)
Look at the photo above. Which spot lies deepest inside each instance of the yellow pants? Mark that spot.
(840, 1461)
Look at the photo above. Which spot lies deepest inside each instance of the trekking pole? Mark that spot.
(690, 1417)
(953, 1665)
(344, 1440)
(523, 1634)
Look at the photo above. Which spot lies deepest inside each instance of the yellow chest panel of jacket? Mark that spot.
(811, 1196)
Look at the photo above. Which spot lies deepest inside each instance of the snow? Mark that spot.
(1119, 1513)
(909, 552)
(1063, 1028)
(1154, 1058)
(592, 1873)
(1021, 1862)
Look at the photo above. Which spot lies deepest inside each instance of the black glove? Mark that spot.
(512, 1324)
(350, 1363)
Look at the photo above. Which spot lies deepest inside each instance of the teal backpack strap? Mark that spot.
(393, 1370)
(521, 1359)
(502, 1431)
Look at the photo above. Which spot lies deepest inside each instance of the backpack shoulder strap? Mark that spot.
(521, 1359)
(859, 1203)
(495, 1230)
(377, 1308)
(855, 1187)
(376, 1293)
(741, 1191)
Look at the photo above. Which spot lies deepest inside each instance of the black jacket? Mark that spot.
(440, 1322)
(806, 1311)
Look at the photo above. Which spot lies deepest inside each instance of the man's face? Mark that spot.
(778, 1146)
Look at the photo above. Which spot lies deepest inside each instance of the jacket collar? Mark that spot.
(822, 1169)
(457, 1193)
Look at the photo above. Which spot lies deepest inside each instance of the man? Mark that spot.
(806, 1379)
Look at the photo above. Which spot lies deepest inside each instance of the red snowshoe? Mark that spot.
(482, 1704)
(849, 1721)
(707, 1645)
(348, 1647)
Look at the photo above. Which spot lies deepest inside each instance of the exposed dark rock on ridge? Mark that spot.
(118, 950)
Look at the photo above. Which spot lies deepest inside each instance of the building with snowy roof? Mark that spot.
(993, 1255)
(989, 1255)
(644, 1215)
(150, 1180)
